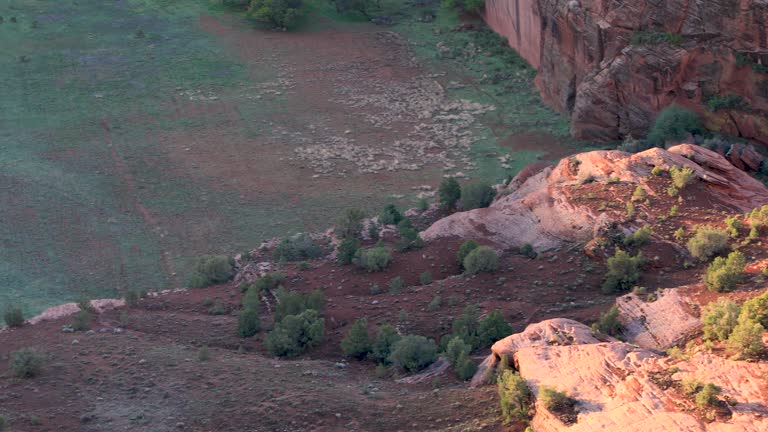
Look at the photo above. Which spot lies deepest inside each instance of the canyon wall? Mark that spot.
(613, 64)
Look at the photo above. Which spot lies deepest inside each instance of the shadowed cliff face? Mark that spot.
(593, 64)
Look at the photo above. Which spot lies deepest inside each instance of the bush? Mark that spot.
(492, 329)
(456, 348)
(674, 123)
(345, 253)
(364, 7)
(386, 337)
(477, 195)
(357, 343)
(623, 271)
(297, 248)
(294, 303)
(413, 353)
(707, 242)
(514, 396)
(648, 37)
(464, 6)
(733, 225)
(707, 397)
(425, 278)
(351, 224)
(266, 283)
(639, 194)
(409, 236)
(691, 385)
(726, 102)
(758, 218)
(212, 269)
(555, 401)
(449, 193)
(13, 317)
(390, 215)
(747, 337)
(719, 318)
(639, 237)
(132, 298)
(26, 363)
(203, 354)
(217, 307)
(280, 13)
(464, 250)
(682, 177)
(609, 322)
(374, 259)
(481, 260)
(82, 320)
(723, 274)
(395, 285)
(467, 326)
(756, 309)
(422, 205)
(248, 321)
(464, 367)
(295, 334)
(527, 251)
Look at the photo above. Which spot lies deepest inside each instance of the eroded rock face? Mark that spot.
(657, 325)
(613, 86)
(617, 386)
(541, 211)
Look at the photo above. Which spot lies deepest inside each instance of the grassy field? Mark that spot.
(139, 134)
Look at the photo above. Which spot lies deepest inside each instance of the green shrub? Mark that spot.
(425, 278)
(364, 7)
(657, 171)
(464, 250)
(719, 318)
(682, 177)
(303, 266)
(691, 386)
(212, 269)
(26, 363)
(464, 367)
(422, 205)
(756, 309)
(707, 397)
(413, 353)
(132, 298)
(746, 339)
(82, 320)
(280, 13)
(623, 271)
(357, 343)
(248, 321)
(639, 194)
(386, 337)
(203, 354)
(707, 242)
(449, 193)
(758, 218)
(726, 102)
(679, 234)
(555, 401)
(296, 248)
(351, 224)
(650, 37)
(266, 283)
(217, 307)
(294, 303)
(435, 304)
(477, 195)
(493, 328)
(395, 285)
(674, 123)
(13, 317)
(527, 251)
(456, 348)
(630, 209)
(464, 6)
(373, 230)
(481, 260)
(467, 326)
(374, 259)
(345, 253)
(409, 236)
(609, 322)
(514, 396)
(639, 238)
(294, 334)
(723, 274)
(674, 211)
(390, 215)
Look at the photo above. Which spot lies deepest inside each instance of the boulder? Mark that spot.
(660, 324)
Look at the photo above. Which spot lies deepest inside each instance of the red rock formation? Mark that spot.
(589, 66)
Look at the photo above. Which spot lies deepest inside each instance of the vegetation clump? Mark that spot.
(345, 252)
(211, 270)
(464, 250)
(13, 317)
(464, 6)
(682, 177)
(248, 323)
(719, 318)
(26, 363)
(351, 224)
(514, 396)
(294, 303)
(674, 123)
(374, 259)
(477, 195)
(481, 260)
(449, 193)
(296, 248)
(413, 353)
(390, 215)
(280, 13)
(609, 322)
(555, 401)
(294, 334)
(723, 274)
(357, 343)
(386, 337)
(707, 242)
(623, 271)
(639, 238)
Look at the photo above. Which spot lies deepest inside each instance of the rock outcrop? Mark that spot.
(660, 324)
(622, 387)
(541, 210)
(614, 64)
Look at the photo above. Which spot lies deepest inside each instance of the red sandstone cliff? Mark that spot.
(589, 66)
